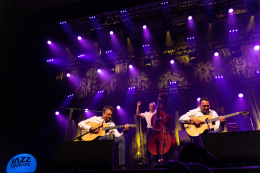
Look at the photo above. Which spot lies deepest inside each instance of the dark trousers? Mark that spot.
(148, 154)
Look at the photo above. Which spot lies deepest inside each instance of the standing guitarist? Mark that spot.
(120, 140)
(203, 109)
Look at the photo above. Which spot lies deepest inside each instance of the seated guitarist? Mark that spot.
(119, 137)
(203, 109)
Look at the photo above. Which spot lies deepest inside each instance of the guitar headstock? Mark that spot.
(244, 113)
(132, 125)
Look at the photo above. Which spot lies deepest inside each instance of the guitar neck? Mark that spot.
(226, 116)
(113, 127)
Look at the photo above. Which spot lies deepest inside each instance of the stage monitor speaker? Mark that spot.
(87, 155)
(184, 138)
(194, 153)
(237, 148)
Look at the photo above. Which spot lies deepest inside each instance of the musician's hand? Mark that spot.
(222, 119)
(195, 120)
(127, 127)
(139, 103)
(96, 131)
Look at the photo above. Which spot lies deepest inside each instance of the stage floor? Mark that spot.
(147, 168)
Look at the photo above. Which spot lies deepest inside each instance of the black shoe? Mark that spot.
(122, 167)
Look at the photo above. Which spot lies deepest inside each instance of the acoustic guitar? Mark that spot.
(194, 130)
(103, 127)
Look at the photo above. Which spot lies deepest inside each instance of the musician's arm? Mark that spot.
(138, 109)
(219, 126)
(186, 117)
(83, 124)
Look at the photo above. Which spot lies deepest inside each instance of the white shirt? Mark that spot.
(197, 113)
(148, 117)
(99, 120)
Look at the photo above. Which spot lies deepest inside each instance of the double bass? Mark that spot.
(155, 143)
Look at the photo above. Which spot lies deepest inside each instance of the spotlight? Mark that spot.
(257, 73)
(256, 47)
(193, 56)
(99, 70)
(79, 37)
(190, 17)
(210, 13)
(240, 95)
(130, 66)
(147, 63)
(111, 68)
(235, 51)
(57, 113)
(230, 10)
(144, 26)
(127, 30)
(68, 75)
(86, 110)
(111, 32)
(172, 61)
(118, 107)
(198, 99)
(49, 42)
(49, 60)
(216, 53)
(252, 6)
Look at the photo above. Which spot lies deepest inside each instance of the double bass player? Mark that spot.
(154, 136)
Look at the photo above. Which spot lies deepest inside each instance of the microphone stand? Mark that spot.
(69, 120)
(251, 122)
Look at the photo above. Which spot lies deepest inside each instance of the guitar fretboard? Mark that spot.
(226, 116)
(117, 127)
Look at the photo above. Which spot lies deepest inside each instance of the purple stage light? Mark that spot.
(190, 17)
(130, 66)
(49, 42)
(198, 99)
(144, 26)
(236, 30)
(257, 71)
(240, 95)
(111, 32)
(57, 113)
(216, 77)
(222, 77)
(256, 47)
(79, 37)
(99, 70)
(118, 107)
(172, 61)
(230, 10)
(216, 54)
(86, 110)
(229, 30)
(233, 30)
(68, 75)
